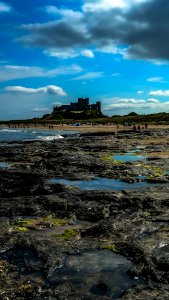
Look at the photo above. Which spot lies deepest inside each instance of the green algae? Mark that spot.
(56, 221)
(68, 234)
(111, 247)
(109, 158)
(156, 171)
(86, 153)
(47, 221)
(23, 223)
(22, 229)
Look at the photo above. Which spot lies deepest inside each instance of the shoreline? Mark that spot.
(88, 128)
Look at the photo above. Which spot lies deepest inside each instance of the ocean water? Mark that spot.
(22, 134)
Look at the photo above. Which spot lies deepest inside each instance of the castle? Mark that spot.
(81, 105)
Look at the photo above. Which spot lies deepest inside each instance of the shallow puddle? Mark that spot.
(128, 157)
(101, 273)
(101, 184)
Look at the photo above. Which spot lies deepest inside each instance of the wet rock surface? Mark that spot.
(44, 226)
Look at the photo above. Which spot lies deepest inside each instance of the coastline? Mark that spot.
(89, 128)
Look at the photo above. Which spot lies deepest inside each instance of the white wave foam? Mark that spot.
(50, 138)
(11, 130)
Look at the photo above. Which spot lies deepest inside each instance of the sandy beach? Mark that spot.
(103, 128)
(89, 128)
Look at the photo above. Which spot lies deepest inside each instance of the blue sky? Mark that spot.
(113, 51)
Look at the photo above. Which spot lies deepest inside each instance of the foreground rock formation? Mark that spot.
(45, 226)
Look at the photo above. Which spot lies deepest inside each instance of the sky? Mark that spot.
(54, 51)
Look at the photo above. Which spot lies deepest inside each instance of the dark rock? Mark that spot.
(132, 223)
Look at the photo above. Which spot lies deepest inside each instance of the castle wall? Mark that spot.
(81, 104)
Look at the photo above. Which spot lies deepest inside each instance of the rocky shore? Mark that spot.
(48, 229)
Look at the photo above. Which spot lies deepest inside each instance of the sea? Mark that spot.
(29, 134)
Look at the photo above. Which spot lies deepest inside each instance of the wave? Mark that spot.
(12, 130)
(49, 137)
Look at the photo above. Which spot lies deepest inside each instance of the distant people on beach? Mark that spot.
(51, 126)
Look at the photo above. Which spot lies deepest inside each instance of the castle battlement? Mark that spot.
(82, 104)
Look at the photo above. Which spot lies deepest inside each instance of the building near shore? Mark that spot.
(82, 104)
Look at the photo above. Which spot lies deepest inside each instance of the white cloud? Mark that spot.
(89, 75)
(158, 62)
(140, 92)
(51, 9)
(164, 93)
(87, 53)
(4, 7)
(65, 54)
(11, 72)
(14, 72)
(103, 5)
(99, 5)
(39, 109)
(126, 103)
(113, 49)
(54, 90)
(131, 104)
(70, 53)
(57, 103)
(101, 23)
(21, 68)
(50, 89)
(65, 13)
(156, 79)
(130, 100)
(153, 100)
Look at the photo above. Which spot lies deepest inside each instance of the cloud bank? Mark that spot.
(131, 27)
(12, 72)
(164, 93)
(132, 104)
(50, 89)
(89, 76)
(156, 79)
(5, 8)
(70, 53)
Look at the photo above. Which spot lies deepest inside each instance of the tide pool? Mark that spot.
(5, 165)
(101, 184)
(99, 273)
(128, 157)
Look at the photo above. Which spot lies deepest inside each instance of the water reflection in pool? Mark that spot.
(101, 184)
(5, 165)
(102, 273)
(129, 157)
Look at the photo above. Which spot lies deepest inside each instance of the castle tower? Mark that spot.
(98, 106)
